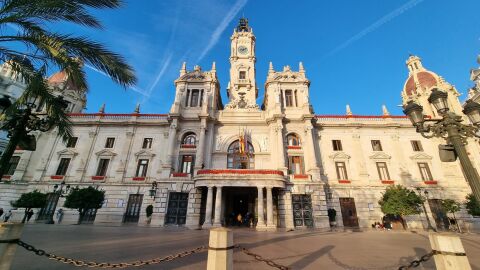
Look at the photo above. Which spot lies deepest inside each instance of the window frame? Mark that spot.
(102, 167)
(240, 73)
(379, 145)
(142, 168)
(337, 144)
(417, 144)
(291, 138)
(341, 166)
(188, 137)
(429, 176)
(195, 98)
(147, 143)
(187, 166)
(63, 166)
(288, 98)
(292, 162)
(380, 174)
(72, 142)
(110, 142)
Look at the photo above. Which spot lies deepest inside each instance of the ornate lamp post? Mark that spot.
(19, 125)
(451, 128)
(429, 224)
(58, 192)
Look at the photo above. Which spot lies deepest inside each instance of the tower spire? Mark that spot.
(348, 110)
(183, 70)
(301, 68)
(270, 68)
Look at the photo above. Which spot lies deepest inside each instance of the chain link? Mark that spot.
(261, 259)
(92, 264)
(416, 263)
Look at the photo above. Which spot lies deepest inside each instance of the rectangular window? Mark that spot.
(110, 142)
(295, 165)
(12, 165)
(337, 145)
(296, 98)
(72, 142)
(376, 145)
(341, 171)
(288, 98)
(102, 167)
(63, 166)
(201, 98)
(187, 164)
(242, 75)
(417, 146)
(188, 98)
(383, 171)
(425, 171)
(195, 96)
(142, 168)
(147, 143)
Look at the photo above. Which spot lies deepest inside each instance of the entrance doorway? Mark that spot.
(302, 210)
(46, 213)
(349, 212)
(240, 206)
(177, 208)
(439, 214)
(133, 208)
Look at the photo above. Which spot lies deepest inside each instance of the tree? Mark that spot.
(34, 199)
(400, 201)
(84, 199)
(32, 48)
(472, 205)
(452, 206)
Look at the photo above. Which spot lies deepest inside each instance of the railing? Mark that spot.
(362, 117)
(118, 116)
(239, 171)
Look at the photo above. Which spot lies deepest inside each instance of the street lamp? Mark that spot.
(429, 225)
(153, 190)
(57, 192)
(450, 128)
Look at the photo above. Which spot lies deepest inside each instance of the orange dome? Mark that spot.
(425, 79)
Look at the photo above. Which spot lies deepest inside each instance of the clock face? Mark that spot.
(242, 50)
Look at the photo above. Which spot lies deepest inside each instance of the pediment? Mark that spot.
(339, 155)
(144, 153)
(106, 153)
(67, 152)
(380, 155)
(421, 156)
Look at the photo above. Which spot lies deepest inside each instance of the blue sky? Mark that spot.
(354, 51)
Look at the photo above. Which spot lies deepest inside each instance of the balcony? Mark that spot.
(240, 178)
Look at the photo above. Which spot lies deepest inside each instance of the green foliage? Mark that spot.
(451, 206)
(83, 199)
(149, 210)
(400, 201)
(472, 205)
(34, 199)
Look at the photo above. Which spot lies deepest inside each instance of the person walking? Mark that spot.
(7, 216)
(29, 215)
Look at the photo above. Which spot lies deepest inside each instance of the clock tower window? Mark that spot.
(242, 75)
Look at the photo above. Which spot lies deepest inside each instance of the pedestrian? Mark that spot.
(29, 215)
(7, 216)
(1, 212)
(239, 219)
(59, 215)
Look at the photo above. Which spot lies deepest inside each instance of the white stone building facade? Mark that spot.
(278, 163)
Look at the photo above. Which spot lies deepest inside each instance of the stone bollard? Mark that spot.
(449, 252)
(8, 233)
(220, 249)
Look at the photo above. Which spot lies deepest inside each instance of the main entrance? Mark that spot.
(349, 212)
(240, 206)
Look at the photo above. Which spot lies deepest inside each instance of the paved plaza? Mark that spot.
(301, 249)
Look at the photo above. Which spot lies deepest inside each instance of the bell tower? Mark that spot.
(242, 89)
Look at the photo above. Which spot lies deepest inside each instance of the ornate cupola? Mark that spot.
(242, 89)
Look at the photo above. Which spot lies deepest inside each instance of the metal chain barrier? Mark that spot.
(92, 264)
(261, 259)
(416, 263)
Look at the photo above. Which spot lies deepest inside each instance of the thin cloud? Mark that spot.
(232, 13)
(162, 71)
(385, 19)
(133, 88)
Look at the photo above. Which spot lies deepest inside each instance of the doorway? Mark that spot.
(439, 214)
(132, 214)
(302, 210)
(177, 208)
(46, 213)
(240, 206)
(349, 212)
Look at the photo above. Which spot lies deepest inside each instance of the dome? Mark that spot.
(58, 77)
(425, 80)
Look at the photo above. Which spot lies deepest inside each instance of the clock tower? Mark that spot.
(242, 88)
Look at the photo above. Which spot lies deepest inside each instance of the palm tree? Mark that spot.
(33, 49)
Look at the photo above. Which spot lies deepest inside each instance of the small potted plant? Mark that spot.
(149, 212)
(332, 217)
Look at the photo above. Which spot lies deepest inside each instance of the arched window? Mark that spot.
(237, 160)
(189, 139)
(293, 140)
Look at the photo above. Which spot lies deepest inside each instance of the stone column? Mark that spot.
(260, 214)
(270, 208)
(208, 209)
(171, 143)
(217, 222)
(201, 146)
(280, 146)
(313, 167)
